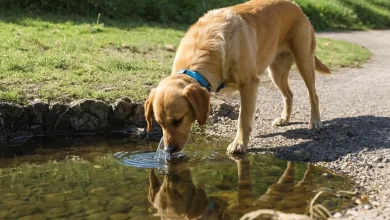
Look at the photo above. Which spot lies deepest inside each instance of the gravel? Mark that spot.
(355, 107)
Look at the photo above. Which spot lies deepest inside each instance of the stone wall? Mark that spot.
(84, 116)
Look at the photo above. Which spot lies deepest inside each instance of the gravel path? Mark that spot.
(355, 106)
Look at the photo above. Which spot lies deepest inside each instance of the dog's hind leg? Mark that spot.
(303, 48)
(278, 72)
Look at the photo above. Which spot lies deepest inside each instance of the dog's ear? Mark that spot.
(148, 106)
(154, 186)
(199, 99)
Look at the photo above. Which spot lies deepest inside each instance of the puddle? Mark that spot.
(96, 179)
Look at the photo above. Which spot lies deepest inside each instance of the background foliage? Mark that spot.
(324, 14)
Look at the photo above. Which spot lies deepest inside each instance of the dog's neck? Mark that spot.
(215, 80)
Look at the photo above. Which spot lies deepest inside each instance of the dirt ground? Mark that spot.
(355, 108)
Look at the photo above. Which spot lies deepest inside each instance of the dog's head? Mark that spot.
(176, 103)
(177, 197)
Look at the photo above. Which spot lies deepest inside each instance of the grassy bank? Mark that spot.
(324, 14)
(58, 59)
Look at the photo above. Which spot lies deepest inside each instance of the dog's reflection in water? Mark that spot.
(177, 197)
(285, 195)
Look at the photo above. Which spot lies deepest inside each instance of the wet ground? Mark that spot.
(89, 178)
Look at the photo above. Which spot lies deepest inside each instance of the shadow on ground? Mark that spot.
(339, 137)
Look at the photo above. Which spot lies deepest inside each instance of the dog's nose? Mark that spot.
(170, 149)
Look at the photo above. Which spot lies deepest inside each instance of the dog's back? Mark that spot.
(223, 37)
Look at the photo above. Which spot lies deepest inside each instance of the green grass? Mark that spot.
(347, 14)
(338, 54)
(58, 59)
(324, 14)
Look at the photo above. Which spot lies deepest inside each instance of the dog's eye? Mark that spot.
(176, 122)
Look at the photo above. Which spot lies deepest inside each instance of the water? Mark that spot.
(100, 179)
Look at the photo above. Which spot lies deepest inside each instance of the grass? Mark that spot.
(324, 14)
(347, 14)
(61, 59)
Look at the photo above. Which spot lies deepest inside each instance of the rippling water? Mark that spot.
(190, 156)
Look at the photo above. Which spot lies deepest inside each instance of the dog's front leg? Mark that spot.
(248, 93)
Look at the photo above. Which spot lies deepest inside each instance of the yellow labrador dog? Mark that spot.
(231, 47)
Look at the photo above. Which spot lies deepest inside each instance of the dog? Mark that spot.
(230, 48)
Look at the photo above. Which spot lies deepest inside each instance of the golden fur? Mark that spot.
(234, 46)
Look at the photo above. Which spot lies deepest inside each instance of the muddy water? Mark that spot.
(98, 179)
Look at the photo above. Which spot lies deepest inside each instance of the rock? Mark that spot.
(138, 116)
(351, 134)
(23, 210)
(62, 125)
(78, 216)
(94, 208)
(38, 110)
(55, 197)
(354, 159)
(38, 130)
(75, 207)
(3, 214)
(54, 112)
(11, 110)
(119, 216)
(117, 204)
(100, 216)
(12, 203)
(137, 200)
(138, 120)
(57, 213)
(377, 159)
(122, 116)
(88, 115)
(136, 210)
(97, 190)
(34, 217)
(367, 207)
(122, 108)
(337, 215)
(220, 110)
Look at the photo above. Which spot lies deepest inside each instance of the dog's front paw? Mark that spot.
(280, 122)
(236, 148)
(315, 125)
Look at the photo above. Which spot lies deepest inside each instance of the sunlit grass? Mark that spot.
(57, 59)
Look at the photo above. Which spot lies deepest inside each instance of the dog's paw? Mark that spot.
(280, 122)
(236, 148)
(315, 125)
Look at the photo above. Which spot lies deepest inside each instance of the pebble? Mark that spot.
(55, 197)
(100, 215)
(367, 206)
(34, 217)
(119, 216)
(337, 215)
(117, 204)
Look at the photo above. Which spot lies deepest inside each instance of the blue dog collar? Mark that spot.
(200, 79)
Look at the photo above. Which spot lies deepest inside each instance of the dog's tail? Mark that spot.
(322, 68)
